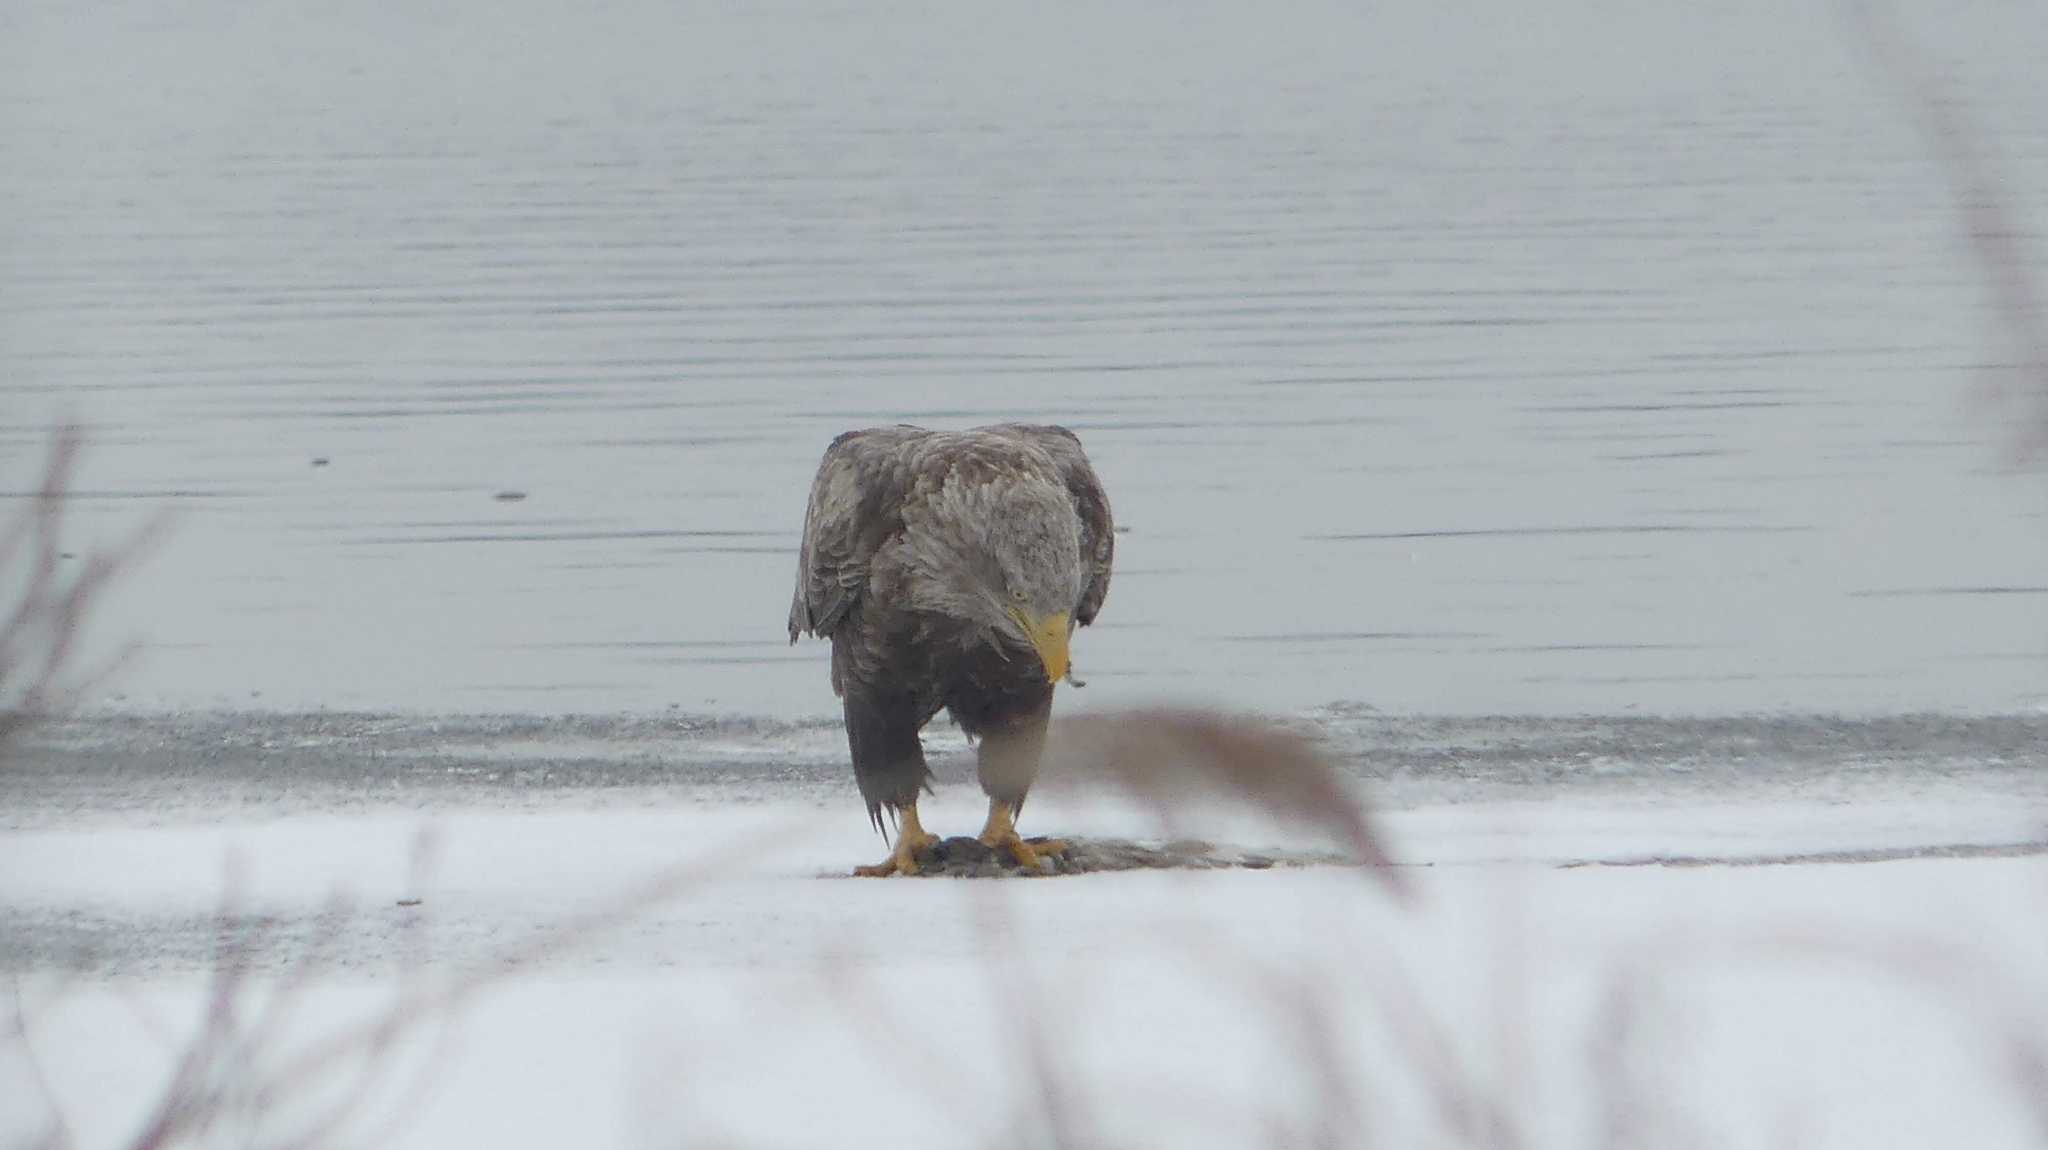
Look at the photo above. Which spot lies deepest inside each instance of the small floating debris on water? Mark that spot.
(509, 496)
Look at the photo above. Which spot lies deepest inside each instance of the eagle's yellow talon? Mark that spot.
(1027, 854)
(911, 840)
(1001, 835)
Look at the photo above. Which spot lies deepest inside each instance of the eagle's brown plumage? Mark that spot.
(948, 569)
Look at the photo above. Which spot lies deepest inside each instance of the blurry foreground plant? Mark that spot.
(47, 594)
(1989, 216)
(1169, 758)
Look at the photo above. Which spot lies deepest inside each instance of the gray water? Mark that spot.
(1526, 358)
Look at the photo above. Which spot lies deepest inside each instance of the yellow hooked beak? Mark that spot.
(1049, 638)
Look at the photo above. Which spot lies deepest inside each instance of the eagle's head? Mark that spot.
(1003, 558)
(1034, 576)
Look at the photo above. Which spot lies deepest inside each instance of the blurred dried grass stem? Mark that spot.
(1169, 757)
(1990, 219)
(47, 594)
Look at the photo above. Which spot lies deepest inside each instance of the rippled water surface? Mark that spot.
(1569, 357)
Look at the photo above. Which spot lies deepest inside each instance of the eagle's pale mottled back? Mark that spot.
(867, 477)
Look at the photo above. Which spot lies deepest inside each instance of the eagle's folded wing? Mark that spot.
(856, 505)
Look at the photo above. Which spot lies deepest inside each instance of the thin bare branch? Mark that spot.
(1024, 1013)
(40, 630)
(1989, 220)
(59, 1135)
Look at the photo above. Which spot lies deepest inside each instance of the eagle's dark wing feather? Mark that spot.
(856, 505)
(1091, 503)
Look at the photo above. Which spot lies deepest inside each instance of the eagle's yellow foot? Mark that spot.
(1001, 835)
(911, 840)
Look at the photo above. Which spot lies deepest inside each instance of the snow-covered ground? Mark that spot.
(1826, 954)
(1858, 1005)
